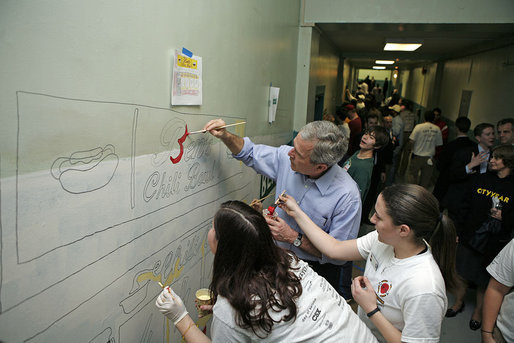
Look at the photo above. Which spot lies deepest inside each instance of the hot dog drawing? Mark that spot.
(86, 171)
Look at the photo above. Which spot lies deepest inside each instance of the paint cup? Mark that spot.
(203, 297)
(270, 213)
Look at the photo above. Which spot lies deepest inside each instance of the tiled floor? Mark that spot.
(456, 330)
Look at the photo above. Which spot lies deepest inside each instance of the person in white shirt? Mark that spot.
(402, 294)
(422, 142)
(498, 308)
(263, 293)
(364, 87)
(409, 121)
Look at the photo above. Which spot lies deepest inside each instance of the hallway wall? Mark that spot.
(404, 79)
(346, 78)
(323, 72)
(412, 11)
(490, 79)
(419, 84)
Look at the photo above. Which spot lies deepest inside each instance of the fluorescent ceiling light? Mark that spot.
(401, 46)
(384, 62)
(379, 67)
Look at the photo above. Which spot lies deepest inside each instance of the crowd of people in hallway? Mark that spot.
(443, 215)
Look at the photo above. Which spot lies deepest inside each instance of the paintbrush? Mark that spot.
(278, 199)
(216, 128)
(168, 288)
(261, 199)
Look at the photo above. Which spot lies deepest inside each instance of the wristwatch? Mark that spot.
(298, 241)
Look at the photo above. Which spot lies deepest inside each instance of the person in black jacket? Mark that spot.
(467, 161)
(461, 143)
(489, 198)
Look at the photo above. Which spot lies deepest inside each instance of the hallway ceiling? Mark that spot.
(362, 44)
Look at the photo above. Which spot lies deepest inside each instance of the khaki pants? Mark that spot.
(423, 165)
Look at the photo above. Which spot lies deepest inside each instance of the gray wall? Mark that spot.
(323, 72)
(408, 11)
(489, 77)
(93, 212)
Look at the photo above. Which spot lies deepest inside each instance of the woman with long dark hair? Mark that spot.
(410, 257)
(262, 292)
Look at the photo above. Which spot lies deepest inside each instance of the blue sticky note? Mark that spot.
(187, 52)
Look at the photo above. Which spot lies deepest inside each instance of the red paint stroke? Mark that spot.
(180, 141)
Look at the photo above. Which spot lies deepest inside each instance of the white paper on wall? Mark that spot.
(273, 103)
(186, 87)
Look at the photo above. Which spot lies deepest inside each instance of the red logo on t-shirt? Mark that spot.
(383, 288)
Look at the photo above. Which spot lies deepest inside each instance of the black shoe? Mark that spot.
(450, 313)
(474, 324)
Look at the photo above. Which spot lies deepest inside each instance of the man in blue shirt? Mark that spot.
(309, 172)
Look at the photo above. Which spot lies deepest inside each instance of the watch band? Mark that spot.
(369, 314)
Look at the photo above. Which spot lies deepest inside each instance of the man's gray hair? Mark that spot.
(330, 143)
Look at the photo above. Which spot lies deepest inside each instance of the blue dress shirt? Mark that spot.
(332, 201)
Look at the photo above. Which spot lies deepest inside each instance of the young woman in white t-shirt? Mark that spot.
(262, 292)
(402, 294)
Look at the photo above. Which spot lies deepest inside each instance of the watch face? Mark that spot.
(298, 241)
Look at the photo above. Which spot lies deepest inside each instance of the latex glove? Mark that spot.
(170, 304)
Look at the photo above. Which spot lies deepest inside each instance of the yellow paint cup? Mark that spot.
(203, 297)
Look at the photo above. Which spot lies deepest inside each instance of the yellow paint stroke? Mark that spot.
(175, 274)
(240, 129)
(168, 333)
(201, 322)
(202, 264)
(148, 276)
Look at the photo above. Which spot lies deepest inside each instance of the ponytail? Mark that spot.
(443, 243)
(416, 207)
